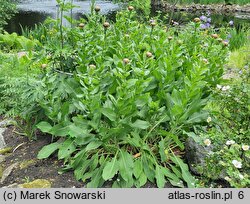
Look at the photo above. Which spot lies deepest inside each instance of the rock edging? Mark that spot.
(215, 8)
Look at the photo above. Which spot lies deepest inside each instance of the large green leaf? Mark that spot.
(143, 100)
(121, 183)
(170, 175)
(60, 130)
(176, 171)
(93, 145)
(82, 168)
(160, 176)
(47, 150)
(177, 184)
(94, 161)
(96, 179)
(142, 179)
(125, 165)
(84, 139)
(79, 158)
(66, 149)
(110, 169)
(75, 131)
(195, 137)
(137, 168)
(172, 178)
(197, 117)
(135, 139)
(185, 171)
(141, 124)
(86, 176)
(148, 168)
(162, 151)
(109, 113)
(176, 140)
(44, 126)
(194, 107)
(131, 82)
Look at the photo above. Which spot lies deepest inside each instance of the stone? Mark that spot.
(2, 142)
(5, 123)
(6, 150)
(8, 171)
(1, 171)
(217, 8)
(2, 158)
(14, 185)
(25, 164)
(196, 155)
(38, 183)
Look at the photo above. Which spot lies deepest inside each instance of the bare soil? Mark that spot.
(32, 168)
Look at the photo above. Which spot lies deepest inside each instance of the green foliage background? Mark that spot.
(7, 10)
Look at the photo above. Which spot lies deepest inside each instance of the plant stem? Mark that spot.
(61, 24)
(154, 127)
(71, 14)
(172, 13)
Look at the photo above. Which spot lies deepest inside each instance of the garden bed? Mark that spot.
(121, 109)
(27, 168)
(26, 171)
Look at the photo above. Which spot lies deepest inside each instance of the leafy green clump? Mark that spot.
(13, 41)
(119, 110)
(7, 10)
(119, 97)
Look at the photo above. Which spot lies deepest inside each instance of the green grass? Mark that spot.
(239, 38)
(240, 44)
(239, 58)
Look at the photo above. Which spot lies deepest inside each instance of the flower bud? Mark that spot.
(130, 8)
(215, 36)
(106, 25)
(225, 43)
(205, 61)
(92, 66)
(149, 54)
(43, 66)
(81, 25)
(197, 20)
(126, 60)
(152, 23)
(21, 54)
(179, 42)
(220, 39)
(137, 155)
(97, 8)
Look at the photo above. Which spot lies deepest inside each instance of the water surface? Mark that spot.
(33, 12)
